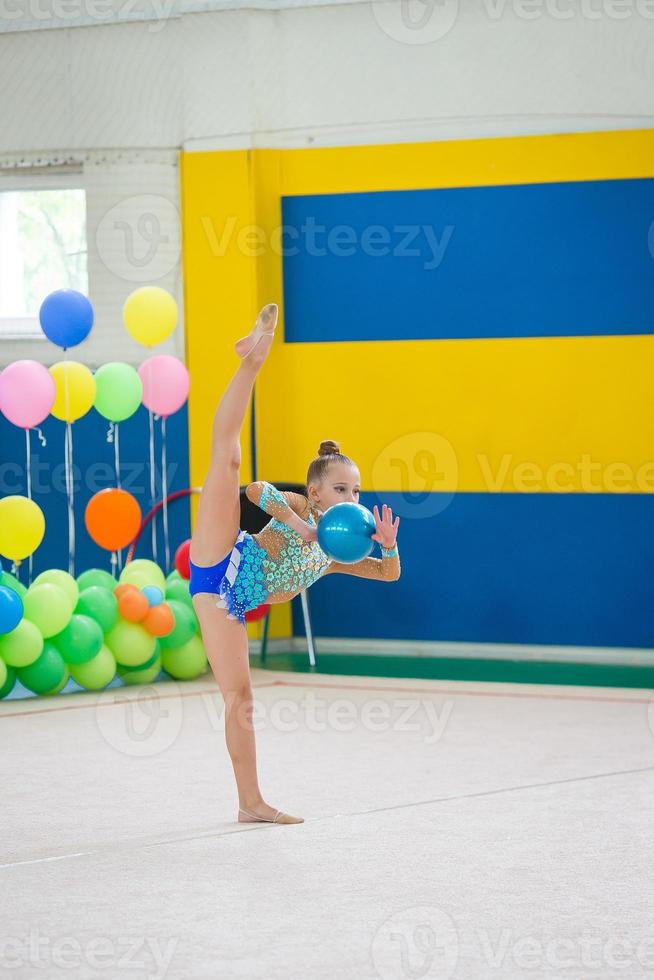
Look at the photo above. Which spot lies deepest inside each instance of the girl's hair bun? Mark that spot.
(328, 447)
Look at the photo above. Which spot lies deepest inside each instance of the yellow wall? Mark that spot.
(545, 401)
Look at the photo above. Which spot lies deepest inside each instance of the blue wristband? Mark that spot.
(389, 552)
(270, 493)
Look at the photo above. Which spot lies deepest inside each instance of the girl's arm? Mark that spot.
(284, 505)
(384, 569)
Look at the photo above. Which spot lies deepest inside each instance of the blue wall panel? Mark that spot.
(90, 447)
(568, 569)
(525, 260)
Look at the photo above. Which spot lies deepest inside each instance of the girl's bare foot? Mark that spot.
(260, 337)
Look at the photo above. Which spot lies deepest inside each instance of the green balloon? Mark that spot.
(130, 643)
(97, 672)
(12, 583)
(174, 576)
(96, 576)
(62, 683)
(142, 572)
(184, 628)
(178, 590)
(48, 607)
(9, 683)
(66, 582)
(22, 646)
(100, 604)
(80, 640)
(118, 391)
(3, 674)
(46, 671)
(144, 675)
(185, 662)
(123, 668)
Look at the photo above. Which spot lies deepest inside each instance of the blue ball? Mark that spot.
(11, 609)
(345, 532)
(153, 594)
(66, 317)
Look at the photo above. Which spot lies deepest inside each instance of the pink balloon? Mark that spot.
(166, 383)
(27, 393)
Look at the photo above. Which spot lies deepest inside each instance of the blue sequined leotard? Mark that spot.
(276, 564)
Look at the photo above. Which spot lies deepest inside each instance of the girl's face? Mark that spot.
(341, 482)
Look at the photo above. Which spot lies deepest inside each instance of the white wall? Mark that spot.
(327, 73)
(120, 97)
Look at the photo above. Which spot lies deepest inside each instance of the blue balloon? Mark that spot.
(11, 609)
(153, 594)
(66, 317)
(345, 532)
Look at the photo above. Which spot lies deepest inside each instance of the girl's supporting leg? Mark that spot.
(226, 643)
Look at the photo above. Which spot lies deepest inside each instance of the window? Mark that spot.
(42, 248)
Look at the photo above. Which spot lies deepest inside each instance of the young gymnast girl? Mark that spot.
(233, 571)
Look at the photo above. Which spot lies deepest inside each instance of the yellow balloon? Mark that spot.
(22, 526)
(75, 387)
(150, 315)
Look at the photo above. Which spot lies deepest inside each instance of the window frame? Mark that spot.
(36, 179)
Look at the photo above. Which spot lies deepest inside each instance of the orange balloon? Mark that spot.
(112, 518)
(160, 620)
(133, 606)
(123, 588)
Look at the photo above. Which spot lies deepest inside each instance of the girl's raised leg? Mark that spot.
(217, 523)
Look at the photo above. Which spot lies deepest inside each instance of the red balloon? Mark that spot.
(252, 615)
(182, 559)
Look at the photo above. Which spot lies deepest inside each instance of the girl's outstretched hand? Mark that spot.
(386, 532)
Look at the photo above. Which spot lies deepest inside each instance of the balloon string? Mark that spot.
(71, 501)
(164, 491)
(66, 463)
(117, 467)
(29, 467)
(110, 432)
(117, 458)
(114, 559)
(66, 391)
(153, 487)
(28, 456)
